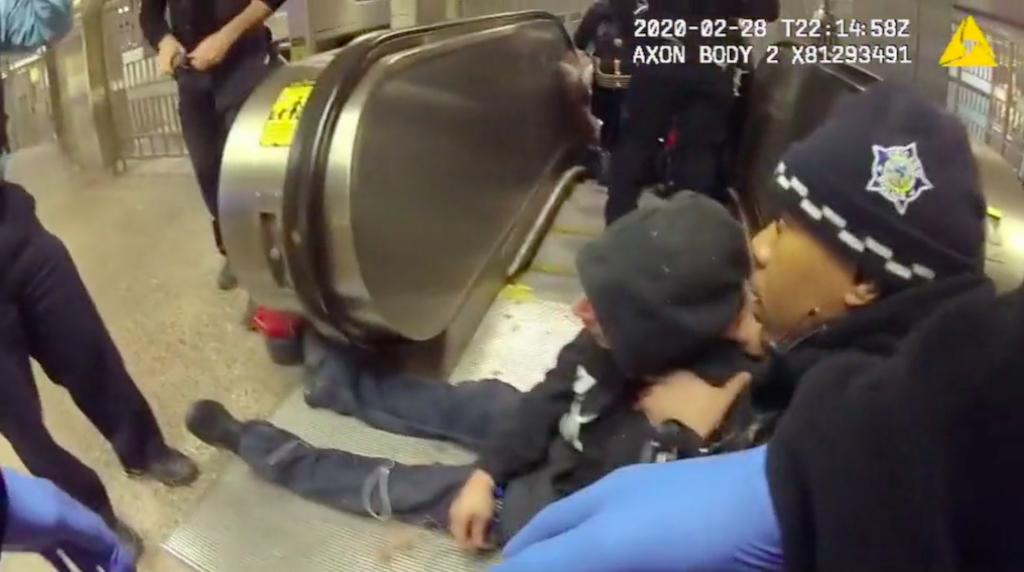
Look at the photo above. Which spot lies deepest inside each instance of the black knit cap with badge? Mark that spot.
(891, 183)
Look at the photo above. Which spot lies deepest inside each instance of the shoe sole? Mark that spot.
(178, 483)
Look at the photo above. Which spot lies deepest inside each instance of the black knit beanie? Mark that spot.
(665, 282)
(890, 182)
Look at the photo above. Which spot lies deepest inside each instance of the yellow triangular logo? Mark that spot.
(968, 48)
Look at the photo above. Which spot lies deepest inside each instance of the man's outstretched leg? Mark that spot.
(65, 334)
(368, 486)
(463, 413)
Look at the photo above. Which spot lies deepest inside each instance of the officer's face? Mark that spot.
(798, 282)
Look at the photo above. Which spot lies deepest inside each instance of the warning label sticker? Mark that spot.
(279, 130)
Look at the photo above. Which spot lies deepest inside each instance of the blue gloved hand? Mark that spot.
(43, 519)
(710, 513)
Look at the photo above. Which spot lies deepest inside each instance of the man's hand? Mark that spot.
(472, 511)
(167, 50)
(688, 399)
(212, 50)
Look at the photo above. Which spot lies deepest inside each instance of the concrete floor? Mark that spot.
(142, 243)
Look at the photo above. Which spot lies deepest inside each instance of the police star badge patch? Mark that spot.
(898, 175)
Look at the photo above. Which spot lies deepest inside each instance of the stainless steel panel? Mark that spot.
(316, 23)
(252, 183)
(434, 157)
(144, 102)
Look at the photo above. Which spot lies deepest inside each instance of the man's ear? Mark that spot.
(862, 294)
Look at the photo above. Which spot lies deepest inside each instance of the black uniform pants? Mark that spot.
(464, 413)
(701, 103)
(606, 105)
(205, 129)
(207, 105)
(47, 314)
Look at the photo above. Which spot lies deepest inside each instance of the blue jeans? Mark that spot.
(465, 414)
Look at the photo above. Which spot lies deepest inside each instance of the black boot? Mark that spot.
(167, 466)
(212, 424)
(227, 280)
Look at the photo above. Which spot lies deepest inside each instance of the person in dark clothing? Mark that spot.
(225, 52)
(882, 225)
(599, 31)
(910, 463)
(699, 99)
(657, 298)
(46, 314)
(38, 517)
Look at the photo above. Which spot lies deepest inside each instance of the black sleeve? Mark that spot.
(521, 441)
(913, 461)
(587, 31)
(153, 21)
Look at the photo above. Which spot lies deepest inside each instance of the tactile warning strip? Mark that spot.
(245, 525)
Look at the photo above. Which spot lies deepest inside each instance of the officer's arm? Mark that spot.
(152, 21)
(254, 14)
(29, 24)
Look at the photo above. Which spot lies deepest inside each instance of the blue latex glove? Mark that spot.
(710, 513)
(43, 519)
(30, 24)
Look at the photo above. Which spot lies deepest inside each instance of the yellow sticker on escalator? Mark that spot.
(279, 130)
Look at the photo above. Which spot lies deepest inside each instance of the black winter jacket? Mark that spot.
(912, 462)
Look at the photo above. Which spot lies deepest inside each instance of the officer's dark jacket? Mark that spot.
(870, 333)
(17, 223)
(192, 20)
(911, 462)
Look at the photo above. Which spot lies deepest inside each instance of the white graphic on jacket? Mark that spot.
(572, 422)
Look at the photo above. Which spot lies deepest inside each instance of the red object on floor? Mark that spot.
(671, 139)
(275, 324)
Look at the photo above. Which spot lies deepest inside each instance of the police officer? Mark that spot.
(46, 314)
(218, 51)
(699, 98)
(599, 30)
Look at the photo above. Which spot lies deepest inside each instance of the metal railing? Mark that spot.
(990, 101)
(145, 103)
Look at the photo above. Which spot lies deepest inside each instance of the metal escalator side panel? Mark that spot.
(437, 152)
(252, 189)
(303, 219)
